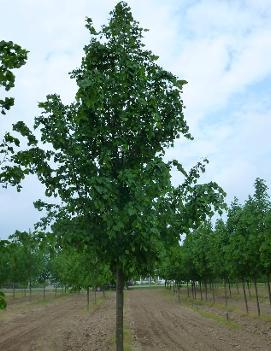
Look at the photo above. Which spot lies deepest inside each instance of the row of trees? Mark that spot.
(28, 260)
(237, 249)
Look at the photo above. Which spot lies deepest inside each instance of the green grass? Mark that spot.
(219, 319)
(127, 339)
(196, 305)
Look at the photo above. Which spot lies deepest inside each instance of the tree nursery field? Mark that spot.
(154, 319)
(112, 213)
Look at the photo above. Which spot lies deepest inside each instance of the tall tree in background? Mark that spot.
(105, 156)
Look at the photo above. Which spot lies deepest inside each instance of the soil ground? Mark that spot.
(159, 322)
(154, 318)
(57, 324)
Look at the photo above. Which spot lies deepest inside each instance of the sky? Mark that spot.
(221, 47)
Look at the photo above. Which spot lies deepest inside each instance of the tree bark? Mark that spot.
(229, 284)
(95, 289)
(257, 297)
(269, 289)
(226, 299)
(179, 295)
(30, 290)
(44, 286)
(200, 287)
(213, 292)
(88, 298)
(206, 291)
(245, 295)
(187, 289)
(192, 290)
(237, 287)
(119, 309)
(248, 288)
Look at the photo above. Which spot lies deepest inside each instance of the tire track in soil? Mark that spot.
(159, 323)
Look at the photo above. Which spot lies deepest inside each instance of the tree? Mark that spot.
(11, 56)
(105, 159)
(31, 258)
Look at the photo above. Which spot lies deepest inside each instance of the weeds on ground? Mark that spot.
(127, 339)
(219, 319)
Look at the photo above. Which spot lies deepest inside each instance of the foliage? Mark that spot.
(105, 151)
(3, 303)
(237, 249)
(11, 56)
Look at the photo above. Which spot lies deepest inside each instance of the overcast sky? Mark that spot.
(221, 47)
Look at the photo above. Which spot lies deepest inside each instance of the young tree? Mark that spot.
(31, 259)
(105, 155)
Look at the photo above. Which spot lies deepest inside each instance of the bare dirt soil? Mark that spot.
(61, 324)
(156, 319)
(159, 322)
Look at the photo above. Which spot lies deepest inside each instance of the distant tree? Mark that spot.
(3, 303)
(31, 259)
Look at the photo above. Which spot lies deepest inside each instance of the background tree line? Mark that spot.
(234, 250)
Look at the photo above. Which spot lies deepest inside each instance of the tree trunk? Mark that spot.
(95, 289)
(119, 309)
(13, 289)
(229, 284)
(179, 295)
(200, 287)
(44, 286)
(30, 290)
(55, 291)
(88, 298)
(269, 289)
(257, 297)
(245, 295)
(226, 299)
(213, 292)
(187, 289)
(237, 288)
(192, 290)
(206, 292)
(248, 288)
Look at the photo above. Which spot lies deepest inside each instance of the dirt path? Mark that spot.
(159, 323)
(60, 325)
